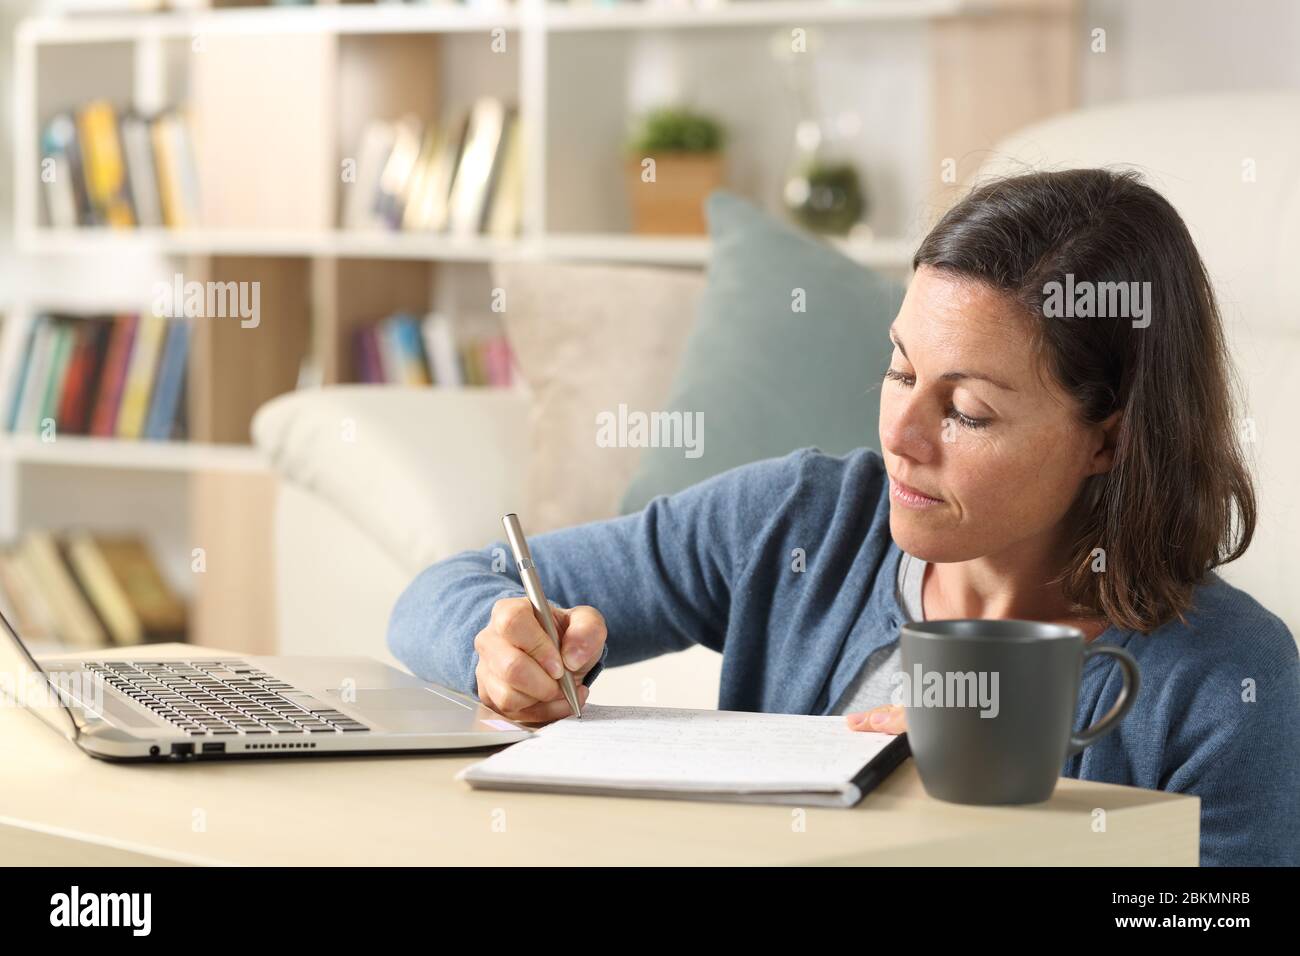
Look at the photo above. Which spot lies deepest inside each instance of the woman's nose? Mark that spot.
(905, 432)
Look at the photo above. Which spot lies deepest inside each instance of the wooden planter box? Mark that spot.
(673, 204)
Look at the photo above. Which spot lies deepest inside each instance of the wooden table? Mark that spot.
(60, 806)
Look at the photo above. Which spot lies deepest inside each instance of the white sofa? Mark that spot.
(379, 482)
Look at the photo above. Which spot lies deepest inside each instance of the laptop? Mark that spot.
(218, 707)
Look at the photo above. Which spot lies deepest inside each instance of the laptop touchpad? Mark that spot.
(406, 708)
(126, 715)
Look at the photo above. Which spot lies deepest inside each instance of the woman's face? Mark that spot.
(983, 451)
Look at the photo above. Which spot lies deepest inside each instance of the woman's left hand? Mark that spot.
(886, 719)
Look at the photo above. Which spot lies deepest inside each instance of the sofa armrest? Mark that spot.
(426, 472)
(335, 587)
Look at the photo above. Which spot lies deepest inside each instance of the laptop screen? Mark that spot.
(25, 682)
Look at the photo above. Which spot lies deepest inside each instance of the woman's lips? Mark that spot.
(909, 496)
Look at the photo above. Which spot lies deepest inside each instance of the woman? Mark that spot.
(1058, 445)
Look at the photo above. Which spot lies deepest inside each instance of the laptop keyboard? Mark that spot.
(222, 698)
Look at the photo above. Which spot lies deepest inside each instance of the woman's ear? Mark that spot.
(1107, 432)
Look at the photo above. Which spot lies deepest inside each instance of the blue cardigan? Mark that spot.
(715, 565)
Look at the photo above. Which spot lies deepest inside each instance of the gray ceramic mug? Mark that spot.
(990, 710)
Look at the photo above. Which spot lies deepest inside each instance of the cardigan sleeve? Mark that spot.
(662, 577)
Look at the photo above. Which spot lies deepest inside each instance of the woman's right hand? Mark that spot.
(519, 668)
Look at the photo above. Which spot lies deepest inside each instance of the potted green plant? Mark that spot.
(675, 159)
(826, 196)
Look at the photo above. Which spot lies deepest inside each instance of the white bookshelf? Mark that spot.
(558, 17)
(530, 26)
(136, 455)
(299, 244)
(892, 254)
(526, 15)
(269, 21)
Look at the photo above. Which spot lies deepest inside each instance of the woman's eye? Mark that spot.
(966, 421)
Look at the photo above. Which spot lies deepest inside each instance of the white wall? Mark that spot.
(1167, 47)
(869, 81)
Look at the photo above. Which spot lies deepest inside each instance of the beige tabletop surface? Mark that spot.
(60, 806)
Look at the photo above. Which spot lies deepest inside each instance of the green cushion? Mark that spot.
(766, 378)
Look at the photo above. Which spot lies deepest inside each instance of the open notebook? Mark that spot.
(696, 755)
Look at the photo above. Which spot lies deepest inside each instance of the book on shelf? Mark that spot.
(505, 213)
(360, 204)
(161, 612)
(398, 170)
(461, 175)
(75, 622)
(61, 172)
(104, 164)
(117, 359)
(89, 591)
(151, 330)
(484, 135)
(427, 205)
(102, 168)
(62, 336)
(142, 171)
(83, 372)
(167, 402)
(23, 605)
(106, 376)
(405, 349)
(178, 179)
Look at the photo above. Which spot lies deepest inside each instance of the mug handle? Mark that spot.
(1127, 695)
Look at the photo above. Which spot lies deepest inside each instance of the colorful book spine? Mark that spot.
(105, 167)
(390, 353)
(77, 384)
(29, 416)
(36, 617)
(168, 394)
(100, 329)
(20, 380)
(498, 361)
(75, 620)
(137, 144)
(113, 378)
(161, 612)
(369, 368)
(174, 171)
(151, 331)
(440, 347)
(53, 386)
(410, 351)
(106, 595)
(65, 190)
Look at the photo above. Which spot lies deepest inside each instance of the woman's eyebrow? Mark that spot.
(957, 374)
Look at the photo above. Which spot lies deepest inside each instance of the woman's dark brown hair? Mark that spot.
(1179, 499)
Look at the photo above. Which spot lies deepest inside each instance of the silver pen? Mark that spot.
(541, 607)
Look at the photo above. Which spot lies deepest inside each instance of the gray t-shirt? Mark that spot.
(874, 684)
